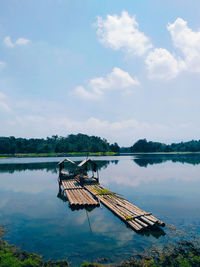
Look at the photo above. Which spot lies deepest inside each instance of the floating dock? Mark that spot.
(133, 216)
(77, 195)
(92, 194)
(83, 191)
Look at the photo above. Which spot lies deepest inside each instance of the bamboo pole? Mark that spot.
(147, 217)
(138, 220)
(70, 198)
(75, 197)
(132, 215)
(70, 193)
(89, 198)
(84, 197)
(81, 196)
(138, 212)
(141, 216)
(134, 225)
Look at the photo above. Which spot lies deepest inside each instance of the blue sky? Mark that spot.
(122, 70)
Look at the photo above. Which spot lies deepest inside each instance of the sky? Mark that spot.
(121, 70)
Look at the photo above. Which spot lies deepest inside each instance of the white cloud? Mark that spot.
(80, 91)
(116, 80)
(122, 33)
(19, 41)
(3, 105)
(2, 96)
(125, 132)
(151, 174)
(188, 42)
(8, 42)
(161, 64)
(22, 41)
(2, 64)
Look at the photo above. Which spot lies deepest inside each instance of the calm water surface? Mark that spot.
(39, 221)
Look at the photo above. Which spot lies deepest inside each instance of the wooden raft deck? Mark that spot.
(77, 195)
(133, 216)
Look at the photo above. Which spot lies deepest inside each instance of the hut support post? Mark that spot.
(60, 168)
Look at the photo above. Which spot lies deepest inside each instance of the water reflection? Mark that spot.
(150, 159)
(155, 231)
(28, 204)
(61, 194)
(41, 175)
(47, 166)
(22, 167)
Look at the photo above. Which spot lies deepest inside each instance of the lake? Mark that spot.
(39, 220)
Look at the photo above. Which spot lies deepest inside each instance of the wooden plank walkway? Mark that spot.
(133, 216)
(77, 195)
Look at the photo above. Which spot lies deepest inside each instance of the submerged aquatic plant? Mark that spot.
(12, 256)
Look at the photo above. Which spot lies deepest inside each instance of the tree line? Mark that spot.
(143, 145)
(56, 144)
(85, 143)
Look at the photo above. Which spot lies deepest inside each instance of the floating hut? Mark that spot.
(84, 191)
(84, 167)
(67, 174)
(80, 171)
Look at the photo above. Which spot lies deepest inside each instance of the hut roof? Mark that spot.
(64, 160)
(86, 161)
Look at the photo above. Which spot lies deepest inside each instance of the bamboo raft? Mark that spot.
(133, 216)
(83, 191)
(77, 195)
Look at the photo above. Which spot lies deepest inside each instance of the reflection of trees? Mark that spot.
(114, 161)
(155, 231)
(48, 166)
(150, 159)
(13, 167)
(145, 162)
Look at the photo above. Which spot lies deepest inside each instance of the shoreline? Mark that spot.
(85, 154)
(182, 253)
(70, 154)
(11, 255)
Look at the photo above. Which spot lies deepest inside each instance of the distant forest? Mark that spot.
(143, 145)
(55, 144)
(85, 143)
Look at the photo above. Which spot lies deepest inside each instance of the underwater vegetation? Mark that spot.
(184, 253)
(12, 256)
